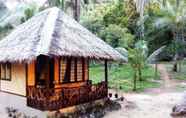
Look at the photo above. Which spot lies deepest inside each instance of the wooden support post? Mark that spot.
(106, 75)
(83, 68)
(0, 76)
(31, 81)
(106, 71)
(56, 72)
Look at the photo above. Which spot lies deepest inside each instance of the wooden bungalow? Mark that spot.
(46, 60)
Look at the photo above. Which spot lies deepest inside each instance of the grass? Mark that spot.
(180, 88)
(181, 74)
(121, 77)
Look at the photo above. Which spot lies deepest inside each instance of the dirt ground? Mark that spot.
(19, 103)
(153, 103)
(147, 106)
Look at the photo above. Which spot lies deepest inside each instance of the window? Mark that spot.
(79, 70)
(6, 71)
(63, 63)
(72, 70)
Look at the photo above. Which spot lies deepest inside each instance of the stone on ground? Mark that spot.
(180, 109)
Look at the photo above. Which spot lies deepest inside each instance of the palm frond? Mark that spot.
(154, 56)
(163, 22)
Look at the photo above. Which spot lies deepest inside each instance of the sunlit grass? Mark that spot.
(121, 77)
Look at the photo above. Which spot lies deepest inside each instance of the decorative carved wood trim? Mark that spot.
(57, 98)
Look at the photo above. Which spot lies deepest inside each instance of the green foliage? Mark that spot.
(117, 36)
(123, 14)
(28, 13)
(112, 23)
(137, 59)
(138, 55)
(5, 30)
(58, 3)
(20, 14)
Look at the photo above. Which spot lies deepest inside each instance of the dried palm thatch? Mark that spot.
(53, 33)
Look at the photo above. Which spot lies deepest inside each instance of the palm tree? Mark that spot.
(74, 5)
(174, 19)
(140, 6)
(76, 9)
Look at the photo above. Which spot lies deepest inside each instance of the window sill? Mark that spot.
(5, 79)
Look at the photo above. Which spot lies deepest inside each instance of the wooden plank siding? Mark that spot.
(56, 72)
(31, 74)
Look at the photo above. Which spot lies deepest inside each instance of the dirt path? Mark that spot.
(168, 84)
(164, 75)
(153, 103)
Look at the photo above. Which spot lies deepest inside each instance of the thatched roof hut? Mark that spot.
(53, 33)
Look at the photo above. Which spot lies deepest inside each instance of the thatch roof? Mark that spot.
(53, 33)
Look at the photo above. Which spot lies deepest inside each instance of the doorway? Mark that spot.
(44, 71)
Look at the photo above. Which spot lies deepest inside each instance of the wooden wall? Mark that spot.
(17, 85)
(31, 74)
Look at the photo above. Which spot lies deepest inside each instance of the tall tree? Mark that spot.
(140, 5)
(58, 3)
(75, 6)
(76, 9)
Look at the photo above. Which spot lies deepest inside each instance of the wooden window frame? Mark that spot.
(67, 74)
(75, 71)
(5, 71)
(82, 67)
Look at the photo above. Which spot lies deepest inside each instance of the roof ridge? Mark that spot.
(47, 31)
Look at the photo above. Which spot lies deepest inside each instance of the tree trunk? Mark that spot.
(180, 66)
(164, 3)
(140, 74)
(156, 71)
(135, 80)
(76, 10)
(175, 65)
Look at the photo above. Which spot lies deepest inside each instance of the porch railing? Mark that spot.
(53, 99)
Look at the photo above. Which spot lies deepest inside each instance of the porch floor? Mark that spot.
(19, 103)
